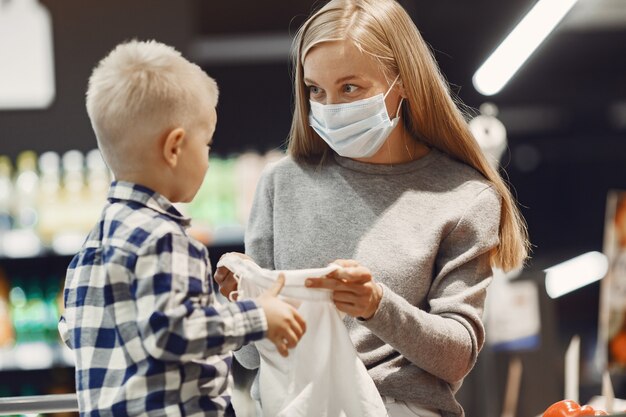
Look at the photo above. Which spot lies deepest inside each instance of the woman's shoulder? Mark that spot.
(287, 166)
(456, 176)
(285, 173)
(279, 167)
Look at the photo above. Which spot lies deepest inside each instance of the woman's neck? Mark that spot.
(399, 148)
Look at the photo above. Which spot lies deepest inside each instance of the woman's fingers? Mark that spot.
(345, 297)
(328, 283)
(335, 284)
(354, 274)
(346, 263)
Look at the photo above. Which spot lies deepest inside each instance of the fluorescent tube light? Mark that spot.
(575, 273)
(504, 62)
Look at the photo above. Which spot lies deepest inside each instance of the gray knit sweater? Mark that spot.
(423, 228)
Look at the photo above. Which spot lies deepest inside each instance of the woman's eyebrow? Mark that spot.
(346, 78)
(338, 81)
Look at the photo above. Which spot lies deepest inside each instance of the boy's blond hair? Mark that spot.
(139, 91)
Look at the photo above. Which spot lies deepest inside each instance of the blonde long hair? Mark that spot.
(384, 30)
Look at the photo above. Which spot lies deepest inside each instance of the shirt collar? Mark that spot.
(128, 191)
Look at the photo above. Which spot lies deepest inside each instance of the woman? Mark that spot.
(383, 174)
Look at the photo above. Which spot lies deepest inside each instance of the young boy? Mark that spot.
(140, 314)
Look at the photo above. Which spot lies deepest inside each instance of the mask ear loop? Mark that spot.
(391, 86)
(234, 295)
(401, 98)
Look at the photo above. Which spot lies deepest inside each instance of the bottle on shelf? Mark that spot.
(6, 190)
(49, 197)
(17, 302)
(7, 335)
(36, 312)
(53, 287)
(23, 240)
(28, 311)
(74, 220)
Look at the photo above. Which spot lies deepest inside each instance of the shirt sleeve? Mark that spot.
(177, 315)
(450, 334)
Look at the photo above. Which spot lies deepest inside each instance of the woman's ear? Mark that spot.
(401, 89)
(172, 145)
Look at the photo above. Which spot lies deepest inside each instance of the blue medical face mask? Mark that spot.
(357, 129)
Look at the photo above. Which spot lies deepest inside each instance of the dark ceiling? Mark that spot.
(580, 68)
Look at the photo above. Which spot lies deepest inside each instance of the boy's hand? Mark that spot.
(285, 327)
(225, 279)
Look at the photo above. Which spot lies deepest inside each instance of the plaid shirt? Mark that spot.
(142, 319)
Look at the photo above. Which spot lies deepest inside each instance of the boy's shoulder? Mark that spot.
(136, 228)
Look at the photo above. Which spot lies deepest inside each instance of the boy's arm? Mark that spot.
(175, 319)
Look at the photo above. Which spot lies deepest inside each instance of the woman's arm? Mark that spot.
(445, 339)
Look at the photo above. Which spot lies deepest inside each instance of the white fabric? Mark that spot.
(322, 376)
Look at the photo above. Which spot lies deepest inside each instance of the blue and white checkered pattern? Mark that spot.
(148, 335)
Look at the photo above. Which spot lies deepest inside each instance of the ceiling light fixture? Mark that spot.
(504, 62)
(575, 273)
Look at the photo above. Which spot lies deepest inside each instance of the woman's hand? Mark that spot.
(225, 278)
(354, 290)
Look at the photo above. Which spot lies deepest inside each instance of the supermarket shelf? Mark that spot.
(35, 356)
(38, 404)
(227, 236)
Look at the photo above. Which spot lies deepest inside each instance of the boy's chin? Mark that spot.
(185, 200)
(188, 198)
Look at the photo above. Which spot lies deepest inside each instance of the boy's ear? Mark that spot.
(172, 146)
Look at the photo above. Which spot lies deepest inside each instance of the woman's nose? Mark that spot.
(334, 99)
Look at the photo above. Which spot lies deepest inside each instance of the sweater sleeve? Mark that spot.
(447, 338)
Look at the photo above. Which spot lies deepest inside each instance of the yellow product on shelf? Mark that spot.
(7, 335)
(22, 240)
(74, 218)
(26, 189)
(48, 203)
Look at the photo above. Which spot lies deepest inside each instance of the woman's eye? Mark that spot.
(349, 88)
(314, 90)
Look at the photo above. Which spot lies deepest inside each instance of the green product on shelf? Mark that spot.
(37, 312)
(17, 298)
(51, 294)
